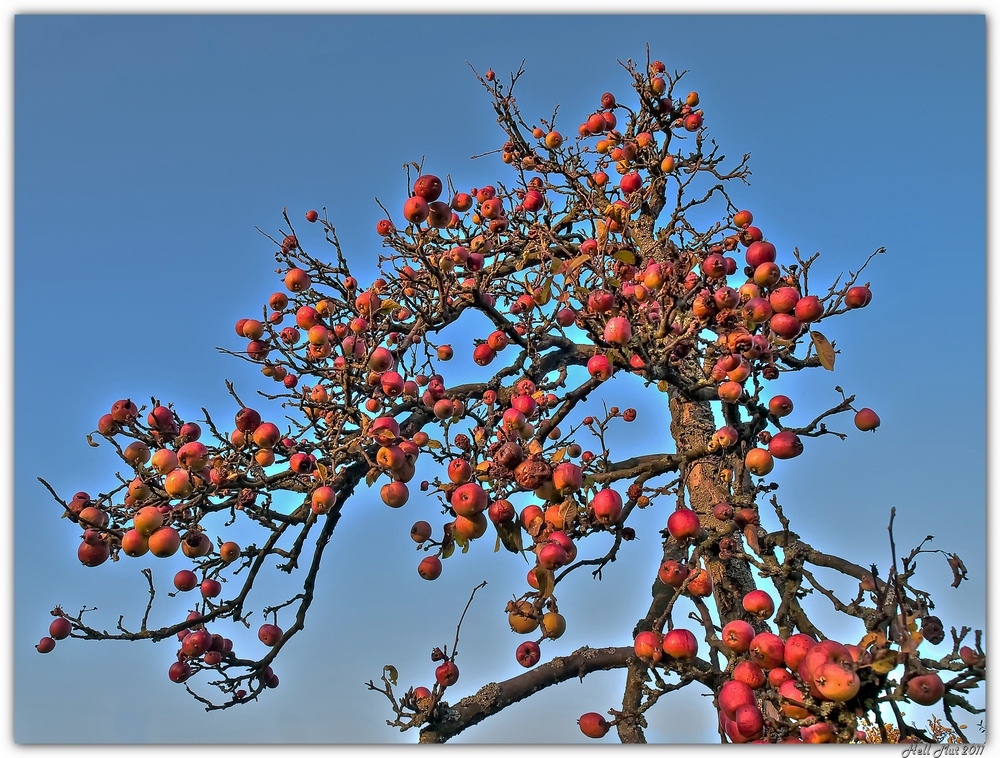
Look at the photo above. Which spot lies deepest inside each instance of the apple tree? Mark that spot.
(609, 252)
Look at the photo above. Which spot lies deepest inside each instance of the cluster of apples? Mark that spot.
(766, 314)
(200, 649)
(630, 155)
(424, 206)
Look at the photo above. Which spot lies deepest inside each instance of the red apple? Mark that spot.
(269, 634)
(733, 695)
(429, 568)
(858, 297)
(792, 690)
(750, 673)
(683, 524)
(768, 650)
(749, 720)
(618, 330)
(808, 309)
(607, 506)
(836, 682)
(649, 646)
(60, 628)
(737, 635)
(760, 252)
(780, 406)
(758, 603)
(680, 644)
(469, 499)
(528, 654)
(796, 647)
(600, 367)
(446, 674)
(593, 725)
(867, 420)
(925, 689)
(785, 445)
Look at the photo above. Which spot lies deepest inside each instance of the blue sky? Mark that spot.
(149, 148)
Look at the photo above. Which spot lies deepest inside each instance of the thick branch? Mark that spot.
(494, 697)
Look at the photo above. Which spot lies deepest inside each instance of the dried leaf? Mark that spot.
(321, 471)
(372, 476)
(557, 266)
(568, 511)
(543, 297)
(391, 671)
(824, 350)
(602, 233)
(876, 638)
(546, 581)
(912, 641)
(750, 534)
(663, 385)
(625, 256)
(433, 444)
(958, 569)
(90, 441)
(575, 263)
(388, 305)
(559, 455)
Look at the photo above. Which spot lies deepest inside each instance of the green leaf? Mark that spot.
(433, 444)
(557, 266)
(824, 350)
(625, 256)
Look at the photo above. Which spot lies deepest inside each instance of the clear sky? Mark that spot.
(149, 148)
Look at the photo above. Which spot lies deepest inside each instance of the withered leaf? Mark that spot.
(876, 637)
(958, 569)
(568, 510)
(393, 674)
(824, 350)
(543, 297)
(546, 581)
